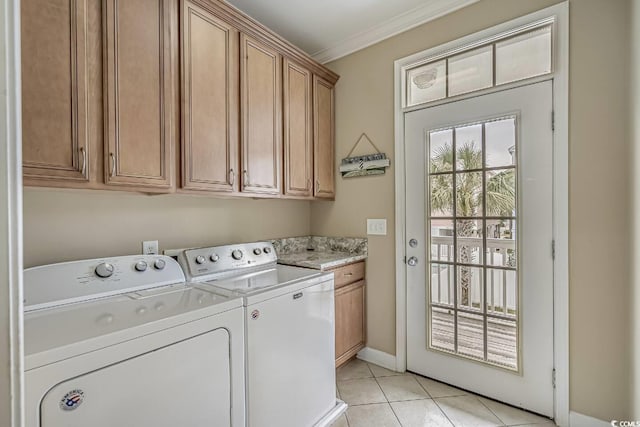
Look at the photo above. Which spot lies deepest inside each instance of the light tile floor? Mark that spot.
(378, 397)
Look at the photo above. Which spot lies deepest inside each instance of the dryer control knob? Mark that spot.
(214, 258)
(257, 251)
(159, 264)
(104, 270)
(237, 254)
(267, 250)
(200, 259)
(141, 266)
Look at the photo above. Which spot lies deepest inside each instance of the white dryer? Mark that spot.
(289, 338)
(123, 342)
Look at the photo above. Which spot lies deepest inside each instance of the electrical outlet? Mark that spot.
(150, 247)
(377, 227)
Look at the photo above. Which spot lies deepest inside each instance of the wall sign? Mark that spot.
(369, 164)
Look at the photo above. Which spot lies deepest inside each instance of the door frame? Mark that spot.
(11, 312)
(560, 76)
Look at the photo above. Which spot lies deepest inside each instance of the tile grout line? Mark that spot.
(490, 410)
(443, 413)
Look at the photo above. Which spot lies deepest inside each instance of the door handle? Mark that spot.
(113, 164)
(412, 262)
(83, 153)
(232, 177)
(245, 178)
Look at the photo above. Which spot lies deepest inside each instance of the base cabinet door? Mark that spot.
(261, 106)
(298, 130)
(210, 92)
(323, 139)
(350, 321)
(139, 92)
(54, 92)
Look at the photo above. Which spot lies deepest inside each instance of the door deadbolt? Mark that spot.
(413, 243)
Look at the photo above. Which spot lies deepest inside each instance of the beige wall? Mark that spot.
(635, 206)
(599, 259)
(62, 225)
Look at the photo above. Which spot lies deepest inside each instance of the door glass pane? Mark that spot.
(427, 83)
(441, 195)
(502, 342)
(442, 331)
(474, 293)
(441, 151)
(501, 192)
(469, 241)
(442, 284)
(501, 242)
(472, 70)
(501, 143)
(470, 288)
(441, 240)
(469, 194)
(469, 147)
(523, 56)
(471, 335)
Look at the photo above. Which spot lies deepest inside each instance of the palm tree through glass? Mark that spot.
(472, 229)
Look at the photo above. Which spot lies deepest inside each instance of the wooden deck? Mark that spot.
(501, 337)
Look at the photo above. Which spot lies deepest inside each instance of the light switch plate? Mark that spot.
(377, 227)
(150, 247)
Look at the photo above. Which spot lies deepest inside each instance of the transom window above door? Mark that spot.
(501, 60)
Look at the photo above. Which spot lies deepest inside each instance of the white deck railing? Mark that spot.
(502, 290)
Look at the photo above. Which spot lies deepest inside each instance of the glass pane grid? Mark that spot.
(514, 58)
(473, 257)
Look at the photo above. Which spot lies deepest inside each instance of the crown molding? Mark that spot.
(434, 9)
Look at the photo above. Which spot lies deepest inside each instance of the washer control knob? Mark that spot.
(214, 257)
(237, 254)
(257, 251)
(141, 266)
(267, 250)
(159, 264)
(199, 259)
(104, 270)
(141, 310)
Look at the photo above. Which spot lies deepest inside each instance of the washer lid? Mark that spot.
(54, 333)
(262, 280)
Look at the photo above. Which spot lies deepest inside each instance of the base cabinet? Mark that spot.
(350, 311)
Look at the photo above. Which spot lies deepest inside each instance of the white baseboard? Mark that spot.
(579, 420)
(378, 357)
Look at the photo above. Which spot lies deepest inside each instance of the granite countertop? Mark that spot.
(321, 260)
(320, 253)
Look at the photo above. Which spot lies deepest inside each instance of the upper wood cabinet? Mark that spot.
(298, 130)
(323, 136)
(261, 106)
(210, 95)
(139, 95)
(54, 91)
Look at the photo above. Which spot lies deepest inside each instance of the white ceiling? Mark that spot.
(330, 29)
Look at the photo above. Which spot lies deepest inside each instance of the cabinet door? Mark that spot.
(350, 321)
(139, 72)
(54, 91)
(298, 130)
(261, 105)
(210, 91)
(323, 138)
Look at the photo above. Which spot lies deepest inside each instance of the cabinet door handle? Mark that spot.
(348, 274)
(113, 164)
(245, 178)
(317, 186)
(83, 154)
(232, 177)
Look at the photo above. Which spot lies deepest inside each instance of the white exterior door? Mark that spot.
(479, 179)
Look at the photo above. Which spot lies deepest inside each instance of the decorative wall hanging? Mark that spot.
(370, 164)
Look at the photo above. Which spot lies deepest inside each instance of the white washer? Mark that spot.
(290, 332)
(124, 342)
